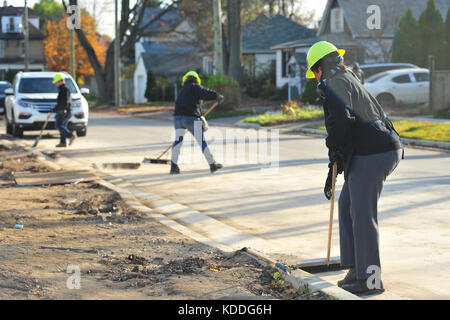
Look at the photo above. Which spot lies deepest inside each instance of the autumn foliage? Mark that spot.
(57, 46)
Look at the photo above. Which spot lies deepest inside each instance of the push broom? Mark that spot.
(328, 263)
(166, 161)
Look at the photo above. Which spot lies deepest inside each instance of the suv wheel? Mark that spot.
(16, 130)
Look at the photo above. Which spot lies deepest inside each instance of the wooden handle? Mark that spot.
(211, 109)
(330, 228)
(165, 151)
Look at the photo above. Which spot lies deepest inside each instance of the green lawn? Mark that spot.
(445, 114)
(279, 118)
(422, 130)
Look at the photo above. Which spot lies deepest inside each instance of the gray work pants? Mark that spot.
(358, 210)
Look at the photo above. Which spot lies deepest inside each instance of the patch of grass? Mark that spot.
(159, 103)
(422, 130)
(280, 118)
(227, 114)
(141, 109)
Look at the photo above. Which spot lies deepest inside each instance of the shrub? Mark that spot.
(151, 85)
(263, 85)
(227, 87)
(310, 95)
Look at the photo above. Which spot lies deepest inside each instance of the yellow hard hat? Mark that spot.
(192, 74)
(318, 51)
(58, 77)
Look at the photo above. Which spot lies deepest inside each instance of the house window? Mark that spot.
(11, 25)
(337, 20)
(285, 56)
(2, 48)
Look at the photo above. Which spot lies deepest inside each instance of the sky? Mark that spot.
(106, 17)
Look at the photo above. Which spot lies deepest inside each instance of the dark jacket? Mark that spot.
(64, 99)
(188, 101)
(355, 122)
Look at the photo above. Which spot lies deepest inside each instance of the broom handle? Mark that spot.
(330, 228)
(211, 109)
(165, 151)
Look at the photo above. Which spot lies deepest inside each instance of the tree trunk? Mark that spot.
(235, 38)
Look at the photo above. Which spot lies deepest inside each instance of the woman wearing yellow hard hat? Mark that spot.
(188, 116)
(366, 147)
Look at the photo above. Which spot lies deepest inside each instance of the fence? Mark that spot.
(439, 90)
(127, 91)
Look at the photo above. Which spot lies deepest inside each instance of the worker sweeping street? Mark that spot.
(63, 111)
(188, 116)
(367, 148)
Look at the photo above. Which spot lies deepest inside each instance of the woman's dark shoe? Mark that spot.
(215, 166)
(360, 287)
(349, 278)
(61, 145)
(174, 169)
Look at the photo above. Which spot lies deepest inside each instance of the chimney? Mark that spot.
(5, 3)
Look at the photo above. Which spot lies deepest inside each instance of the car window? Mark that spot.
(376, 77)
(3, 87)
(43, 85)
(402, 79)
(422, 77)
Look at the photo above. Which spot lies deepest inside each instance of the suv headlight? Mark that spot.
(76, 104)
(25, 104)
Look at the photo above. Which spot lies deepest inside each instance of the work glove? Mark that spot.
(220, 98)
(336, 156)
(204, 124)
(329, 183)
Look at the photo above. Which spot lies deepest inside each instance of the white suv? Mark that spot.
(33, 95)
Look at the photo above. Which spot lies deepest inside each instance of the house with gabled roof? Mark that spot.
(258, 36)
(166, 49)
(347, 24)
(12, 50)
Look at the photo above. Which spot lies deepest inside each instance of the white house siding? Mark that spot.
(373, 50)
(138, 50)
(140, 82)
(281, 81)
(263, 61)
(34, 22)
(6, 21)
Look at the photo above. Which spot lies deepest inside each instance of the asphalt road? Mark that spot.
(280, 204)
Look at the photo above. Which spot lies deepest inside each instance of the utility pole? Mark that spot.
(218, 45)
(117, 57)
(72, 55)
(26, 38)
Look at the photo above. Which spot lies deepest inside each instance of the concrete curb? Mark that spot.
(301, 279)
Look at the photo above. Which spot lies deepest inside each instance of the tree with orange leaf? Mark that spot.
(57, 47)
